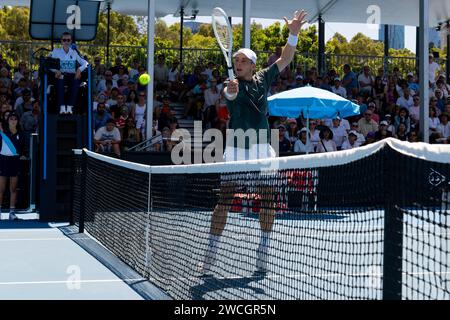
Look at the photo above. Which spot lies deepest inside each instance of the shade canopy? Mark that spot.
(351, 11)
(311, 102)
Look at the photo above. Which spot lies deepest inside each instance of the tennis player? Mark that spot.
(247, 103)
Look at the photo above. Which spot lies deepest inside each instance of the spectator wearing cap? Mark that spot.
(302, 145)
(338, 89)
(403, 117)
(101, 98)
(326, 143)
(412, 84)
(443, 128)
(339, 133)
(390, 126)
(366, 124)
(351, 142)
(383, 133)
(283, 143)
(107, 138)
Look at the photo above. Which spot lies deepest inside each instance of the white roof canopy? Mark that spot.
(399, 12)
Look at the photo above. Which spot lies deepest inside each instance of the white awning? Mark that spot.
(396, 12)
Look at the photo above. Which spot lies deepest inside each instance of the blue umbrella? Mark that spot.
(317, 103)
(313, 102)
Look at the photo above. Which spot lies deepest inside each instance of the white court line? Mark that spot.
(41, 239)
(70, 282)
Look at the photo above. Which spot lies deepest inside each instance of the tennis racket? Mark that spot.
(224, 36)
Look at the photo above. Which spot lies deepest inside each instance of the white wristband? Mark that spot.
(292, 40)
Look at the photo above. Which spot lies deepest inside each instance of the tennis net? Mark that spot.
(369, 223)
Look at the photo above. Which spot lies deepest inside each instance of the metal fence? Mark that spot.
(16, 52)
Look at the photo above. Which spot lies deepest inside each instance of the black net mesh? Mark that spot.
(372, 228)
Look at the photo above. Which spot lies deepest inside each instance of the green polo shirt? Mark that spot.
(249, 109)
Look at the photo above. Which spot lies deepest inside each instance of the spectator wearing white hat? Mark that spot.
(338, 89)
(302, 145)
(339, 133)
(351, 142)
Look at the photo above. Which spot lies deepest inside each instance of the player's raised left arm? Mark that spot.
(294, 27)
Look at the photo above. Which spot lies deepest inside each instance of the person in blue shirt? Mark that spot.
(412, 85)
(349, 81)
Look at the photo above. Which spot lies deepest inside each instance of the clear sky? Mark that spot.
(349, 30)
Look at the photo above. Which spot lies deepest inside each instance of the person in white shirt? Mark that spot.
(338, 89)
(107, 138)
(301, 145)
(366, 81)
(101, 87)
(443, 128)
(351, 142)
(326, 143)
(405, 101)
(414, 111)
(68, 73)
(433, 69)
(339, 133)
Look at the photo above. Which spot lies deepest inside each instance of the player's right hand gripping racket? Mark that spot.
(224, 35)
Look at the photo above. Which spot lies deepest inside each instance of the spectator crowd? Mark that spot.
(389, 104)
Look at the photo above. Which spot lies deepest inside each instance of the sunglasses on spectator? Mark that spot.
(66, 40)
(142, 95)
(367, 114)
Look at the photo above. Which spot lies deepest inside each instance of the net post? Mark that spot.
(393, 228)
(83, 191)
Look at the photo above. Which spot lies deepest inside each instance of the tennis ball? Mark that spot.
(144, 79)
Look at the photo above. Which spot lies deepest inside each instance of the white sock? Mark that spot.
(261, 253)
(211, 251)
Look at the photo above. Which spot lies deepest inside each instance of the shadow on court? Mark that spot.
(211, 284)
